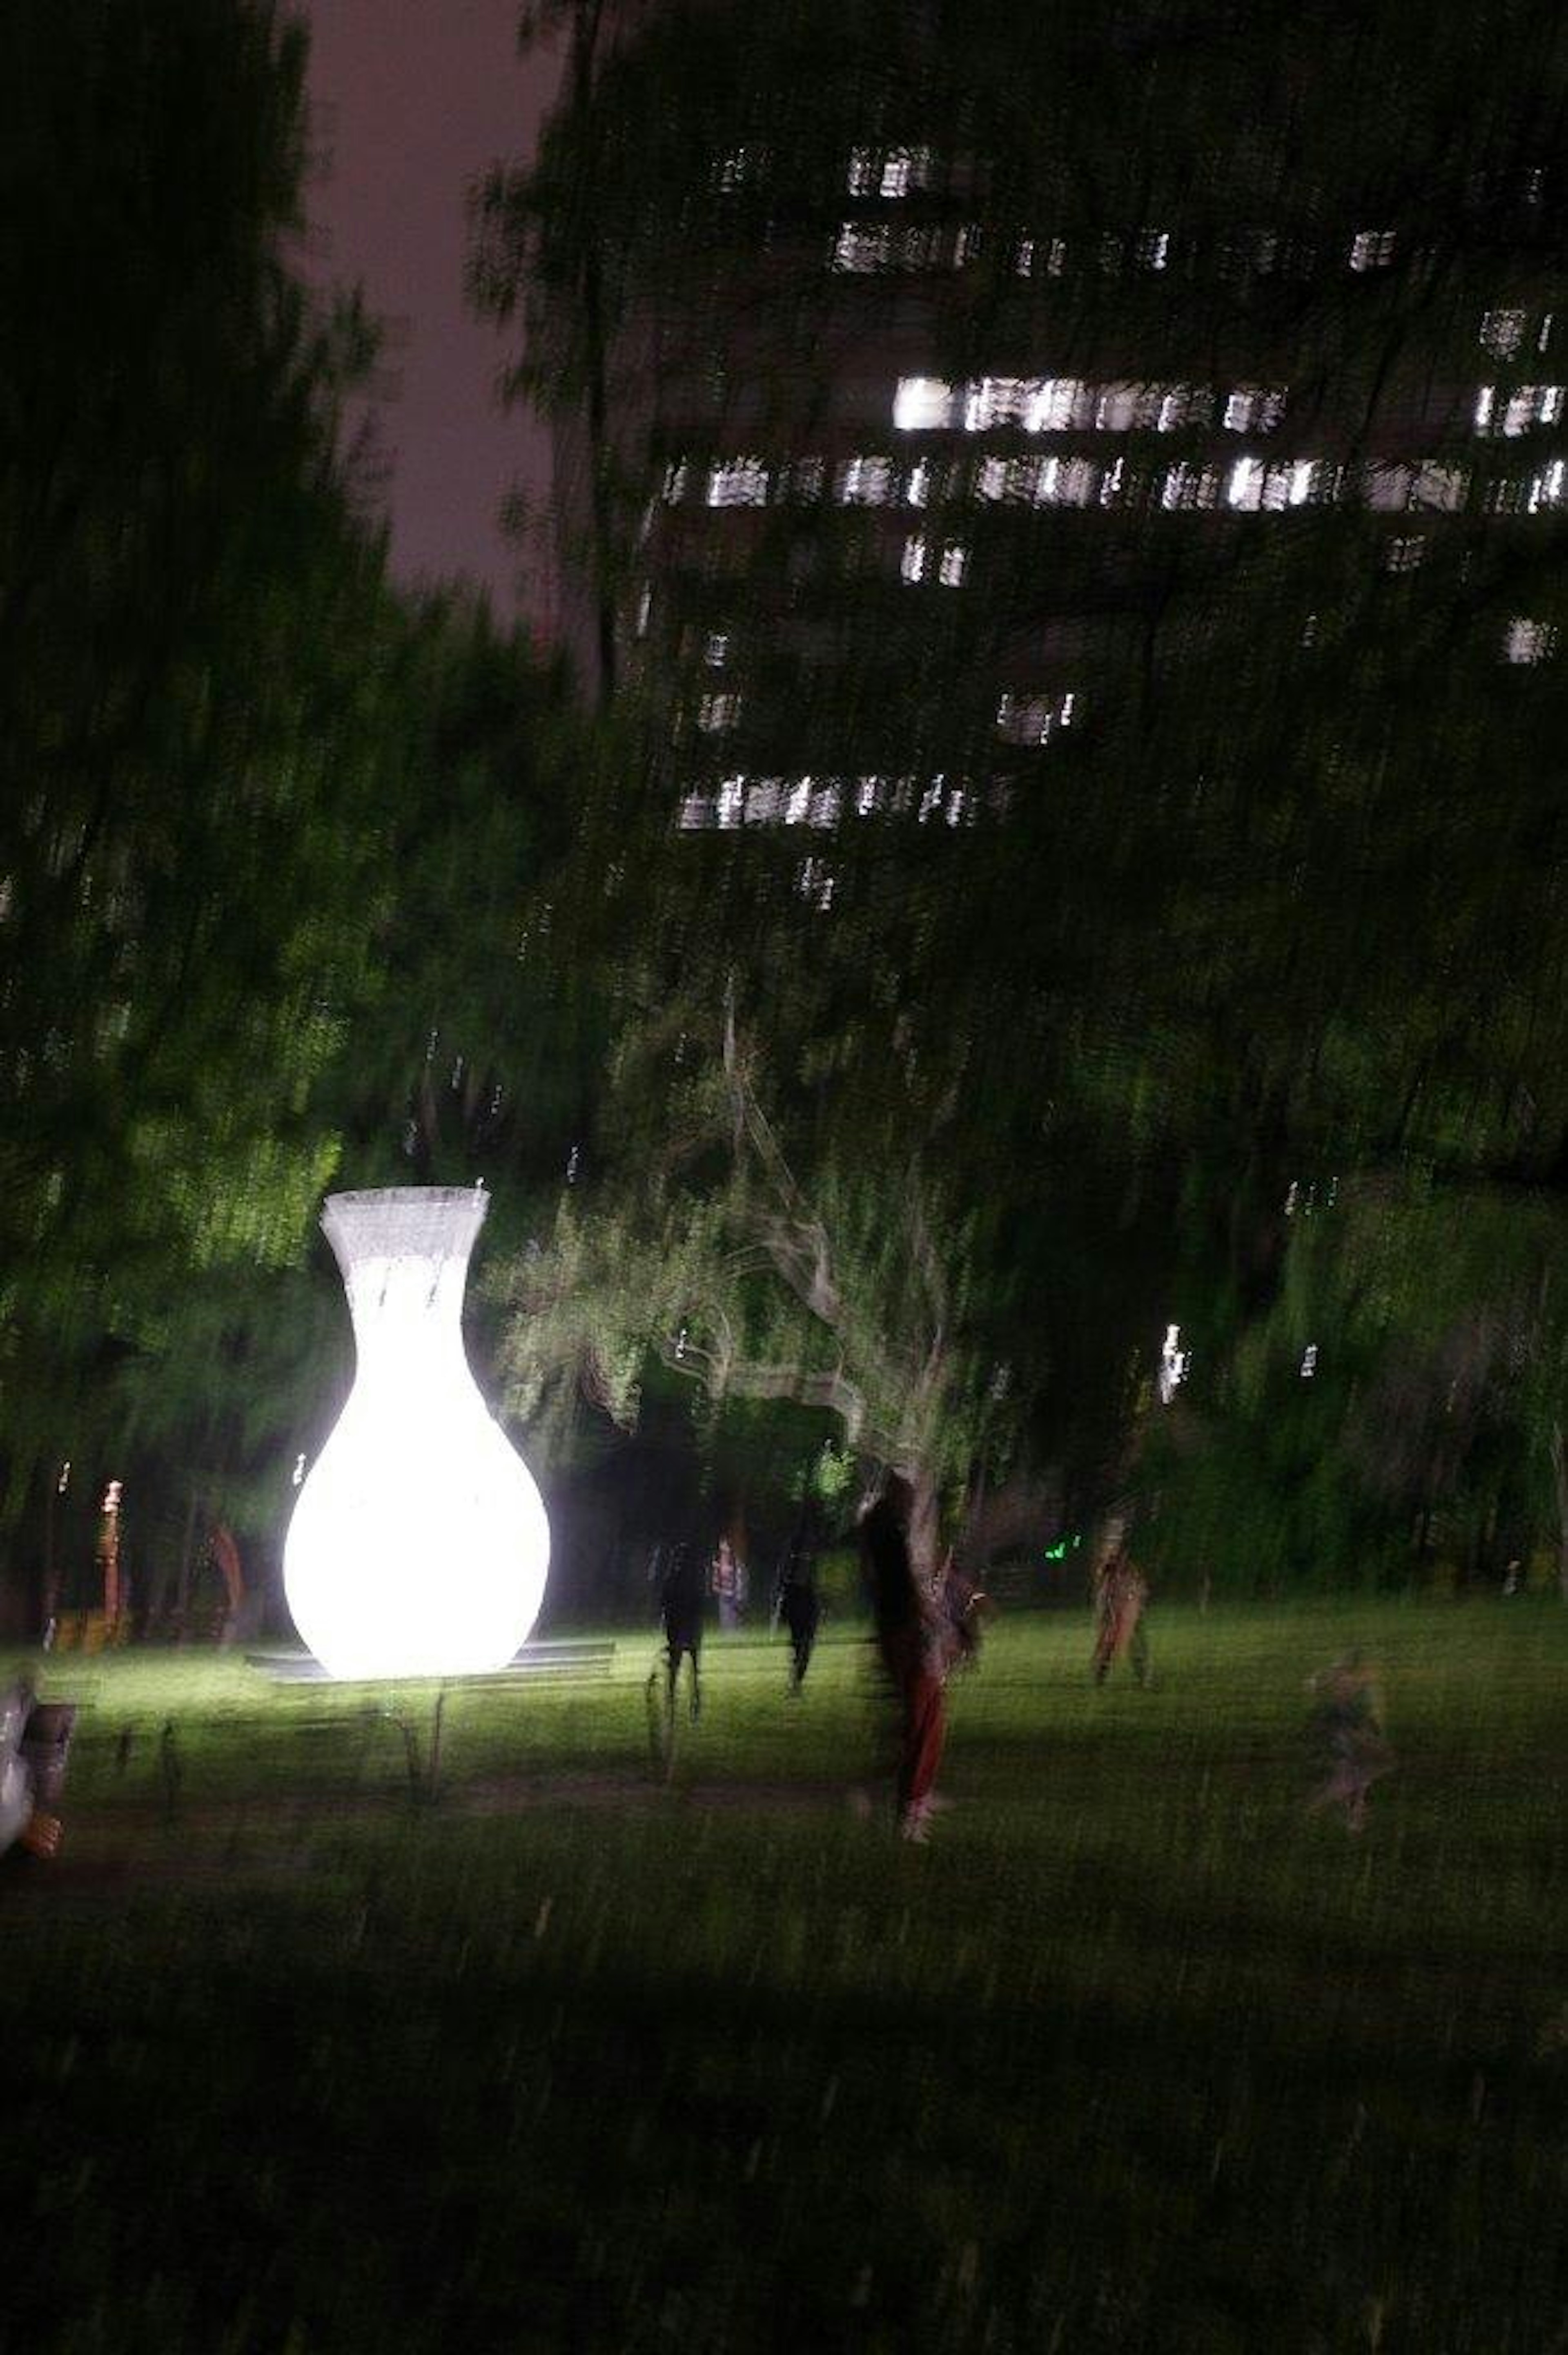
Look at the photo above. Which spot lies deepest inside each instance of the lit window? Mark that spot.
(1153, 249)
(1548, 488)
(1072, 484)
(917, 490)
(730, 806)
(1254, 408)
(996, 401)
(741, 484)
(1528, 642)
(865, 483)
(1245, 487)
(1371, 248)
(716, 713)
(1502, 332)
(1526, 406)
(1406, 555)
(861, 247)
(798, 801)
(1057, 404)
(1023, 259)
(905, 169)
(867, 793)
(1112, 483)
(913, 566)
(923, 404)
(716, 652)
(891, 172)
(1190, 485)
(1040, 482)
(954, 565)
(1056, 257)
(675, 484)
(1443, 487)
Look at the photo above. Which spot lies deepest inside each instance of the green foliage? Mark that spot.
(1285, 897)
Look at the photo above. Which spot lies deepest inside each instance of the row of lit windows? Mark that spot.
(1066, 404)
(1020, 718)
(824, 803)
(926, 404)
(1516, 410)
(1246, 485)
(865, 245)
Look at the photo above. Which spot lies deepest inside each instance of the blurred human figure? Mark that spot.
(107, 1553)
(678, 1573)
(34, 1739)
(728, 1585)
(1121, 1598)
(797, 1603)
(1346, 1728)
(965, 1610)
(910, 1640)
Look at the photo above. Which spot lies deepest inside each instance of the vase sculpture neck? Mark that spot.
(404, 1254)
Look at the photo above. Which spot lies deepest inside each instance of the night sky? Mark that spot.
(413, 101)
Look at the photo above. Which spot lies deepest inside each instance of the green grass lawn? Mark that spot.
(1135, 2055)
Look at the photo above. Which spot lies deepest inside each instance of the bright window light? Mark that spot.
(923, 404)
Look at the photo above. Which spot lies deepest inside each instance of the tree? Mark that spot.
(1283, 896)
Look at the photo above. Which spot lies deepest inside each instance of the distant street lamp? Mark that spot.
(419, 1544)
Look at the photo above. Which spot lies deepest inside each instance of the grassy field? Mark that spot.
(1135, 2055)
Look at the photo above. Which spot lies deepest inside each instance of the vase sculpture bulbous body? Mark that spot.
(419, 1546)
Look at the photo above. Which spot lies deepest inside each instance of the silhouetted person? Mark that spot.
(681, 1569)
(912, 1649)
(1121, 1596)
(1346, 1727)
(799, 1606)
(964, 1610)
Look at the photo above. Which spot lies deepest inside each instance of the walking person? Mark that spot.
(1346, 1728)
(797, 1603)
(913, 1652)
(678, 1568)
(1120, 1600)
(728, 1583)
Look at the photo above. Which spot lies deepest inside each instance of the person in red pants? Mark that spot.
(913, 1653)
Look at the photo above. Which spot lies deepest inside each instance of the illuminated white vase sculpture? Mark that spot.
(420, 1544)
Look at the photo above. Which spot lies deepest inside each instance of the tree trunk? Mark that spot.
(1560, 1483)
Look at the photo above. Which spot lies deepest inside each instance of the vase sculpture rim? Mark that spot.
(405, 1196)
(398, 1222)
